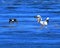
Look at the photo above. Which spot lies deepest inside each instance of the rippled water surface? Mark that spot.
(27, 32)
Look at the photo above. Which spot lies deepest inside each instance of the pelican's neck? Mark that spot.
(39, 19)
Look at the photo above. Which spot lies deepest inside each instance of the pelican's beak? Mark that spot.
(36, 17)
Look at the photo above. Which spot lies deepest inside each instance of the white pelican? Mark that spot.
(43, 23)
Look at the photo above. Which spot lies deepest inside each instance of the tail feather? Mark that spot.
(47, 19)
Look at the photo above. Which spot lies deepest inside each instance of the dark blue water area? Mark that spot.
(27, 32)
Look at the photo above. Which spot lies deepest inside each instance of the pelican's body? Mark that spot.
(45, 22)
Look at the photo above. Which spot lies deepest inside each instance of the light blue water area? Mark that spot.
(27, 33)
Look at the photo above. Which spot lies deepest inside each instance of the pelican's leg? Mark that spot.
(42, 26)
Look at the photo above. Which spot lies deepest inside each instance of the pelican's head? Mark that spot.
(38, 18)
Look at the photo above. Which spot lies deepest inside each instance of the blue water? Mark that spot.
(27, 32)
